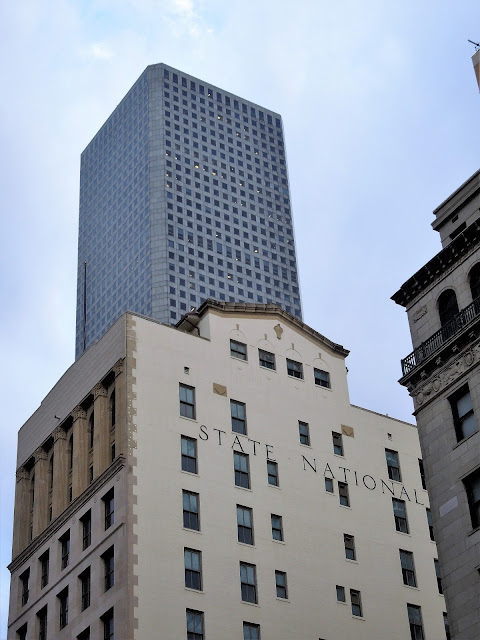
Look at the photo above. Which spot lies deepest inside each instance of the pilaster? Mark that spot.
(22, 511)
(60, 472)
(120, 409)
(40, 503)
(80, 452)
(101, 441)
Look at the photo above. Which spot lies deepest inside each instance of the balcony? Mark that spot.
(443, 335)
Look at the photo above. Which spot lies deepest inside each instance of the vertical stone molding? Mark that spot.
(40, 504)
(121, 407)
(22, 511)
(80, 452)
(60, 472)
(101, 441)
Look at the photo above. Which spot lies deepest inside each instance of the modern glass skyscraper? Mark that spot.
(183, 196)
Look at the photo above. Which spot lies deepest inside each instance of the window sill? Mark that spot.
(472, 532)
(245, 544)
(341, 602)
(344, 506)
(358, 618)
(409, 586)
(330, 493)
(195, 590)
(460, 442)
(242, 488)
(309, 446)
(339, 455)
(295, 378)
(238, 359)
(278, 541)
(402, 533)
(351, 561)
(283, 599)
(192, 530)
(274, 486)
(190, 473)
(267, 369)
(189, 419)
(319, 386)
(251, 604)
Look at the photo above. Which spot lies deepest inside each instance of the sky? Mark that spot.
(380, 111)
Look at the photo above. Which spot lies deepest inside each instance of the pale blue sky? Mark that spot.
(380, 109)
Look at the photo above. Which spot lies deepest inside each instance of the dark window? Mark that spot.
(474, 278)
(251, 631)
(239, 417)
(86, 521)
(85, 586)
(422, 473)
(277, 527)
(42, 623)
(193, 569)
(187, 401)
(238, 350)
(304, 433)
(337, 443)
(244, 524)
(189, 454)
(295, 369)
(430, 524)
(343, 496)
(393, 465)
(112, 409)
(349, 543)
(107, 621)
(266, 359)
(22, 632)
(65, 549)
(340, 593)
(85, 635)
(191, 510)
(408, 568)
(447, 627)
(356, 601)
(322, 378)
(272, 471)
(329, 485)
(91, 429)
(400, 515)
(463, 416)
(248, 582)
(109, 568)
(194, 625)
(472, 486)
(415, 622)
(63, 607)
(109, 507)
(24, 578)
(44, 568)
(242, 469)
(439, 577)
(281, 584)
(447, 307)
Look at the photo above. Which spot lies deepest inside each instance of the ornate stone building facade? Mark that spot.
(442, 375)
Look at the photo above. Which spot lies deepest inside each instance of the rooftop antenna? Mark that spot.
(476, 61)
(476, 44)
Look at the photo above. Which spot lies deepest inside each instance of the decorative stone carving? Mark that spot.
(22, 474)
(419, 313)
(79, 412)
(40, 454)
(278, 330)
(59, 434)
(99, 391)
(118, 368)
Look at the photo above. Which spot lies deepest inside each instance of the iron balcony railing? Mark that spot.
(454, 326)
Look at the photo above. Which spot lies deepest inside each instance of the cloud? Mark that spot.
(100, 51)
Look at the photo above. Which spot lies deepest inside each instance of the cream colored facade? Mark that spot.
(150, 364)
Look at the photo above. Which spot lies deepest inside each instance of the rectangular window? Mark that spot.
(393, 465)
(244, 525)
(239, 417)
(238, 350)
(349, 543)
(191, 510)
(86, 522)
(242, 469)
(84, 635)
(447, 627)
(44, 560)
(187, 401)
(266, 359)
(248, 582)
(430, 524)
(337, 443)
(356, 601)
(277, 527)
(272, 471)
(85, 589)
(193, 569)
(24, 578)
(343, 496)
(439, 577)
(42, 623)
(65, 549)
(189, 454)
(329, 485)
(340, 593)
(322, 378)
(295, 369)
(304, 433)
(63, 607)
(400, 515)
(108, 568)
(472, 487)
(408, 568)
(415, 622)
(463, 416)
(194, 625)
(108, 628)
(422, 473)
(251, 631)
(109, 508)
(281, 584)
(22, 632)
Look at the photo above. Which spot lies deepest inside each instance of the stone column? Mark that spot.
(40, 503)
(120, 409)
(21, 518)
(60, 472)
(80, 452)
(101, 434)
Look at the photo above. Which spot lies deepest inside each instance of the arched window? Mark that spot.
(32, 502)
(70, 453)
(50, 472)
(112, 409)
(474, 278)
(91, 429)
(447, 306)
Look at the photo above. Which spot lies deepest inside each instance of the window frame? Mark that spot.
(187, 459)
(266, 360)
(23, 580)
(321, 378)
(251, 626)
(108, 558)
(337, 441)
(239, 424)
(416, 629)
(329, 486)
(248, 582)
(241, 477)
(273, 475)
(238, 354)
(86, 522)
(85, 588)
(196, 514)
(460, 420)
(341, 595)
(343, 494)
(193, 575)
(438, 574)
(245, 531)
(64, 550)
(294, 369)
(393, 465)
(187, 403)
(63, 608)
(304, 433)
(198, 622)
(108, 501)
(279, 586)
(108, 622)
(428, 511)
(401, 522)
(356, 603)
(277, 528)
(42, 617)
(407, 565)
(349, 547)
(44, 560)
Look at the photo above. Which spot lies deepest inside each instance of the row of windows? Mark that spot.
(41, 623)
(196, 627)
